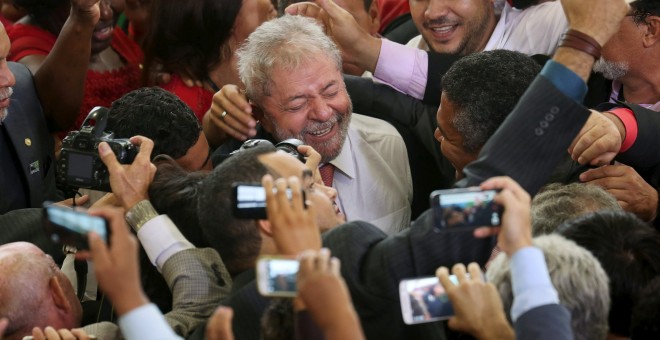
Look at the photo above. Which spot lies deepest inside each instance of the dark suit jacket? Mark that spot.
(373, 264)
(33, 143)
(545, 322)
(31, 140)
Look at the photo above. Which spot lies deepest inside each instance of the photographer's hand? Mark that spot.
(516, 231)
(477, 305)
(325, 295)
(293, 226)
(3, 326)
(130, 182)
(312, 161)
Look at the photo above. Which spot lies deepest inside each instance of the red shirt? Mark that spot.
(198, 98)
(101, 88)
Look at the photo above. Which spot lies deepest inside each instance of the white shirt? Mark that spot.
(372, 175)
(534, 30)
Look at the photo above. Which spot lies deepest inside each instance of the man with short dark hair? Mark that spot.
(161, 116)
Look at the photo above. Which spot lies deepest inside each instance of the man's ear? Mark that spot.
(265, 227)
(58, 295)
(652, 34)
(374, 17)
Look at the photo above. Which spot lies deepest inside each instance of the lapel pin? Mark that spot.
(28, 142)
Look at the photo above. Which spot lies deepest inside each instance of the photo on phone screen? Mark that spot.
(249, 201)
(277, 276)
(424, 300)
(460, 208)
(70, 227)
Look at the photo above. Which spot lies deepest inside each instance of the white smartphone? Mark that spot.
(276, 276)
(424, 300)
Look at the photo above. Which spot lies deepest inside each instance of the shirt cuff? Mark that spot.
(161, 239)
(402, 67)
(629, 121)
(530, 281)
(565, 80)
(145, 322)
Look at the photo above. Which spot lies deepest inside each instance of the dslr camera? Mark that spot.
(80, 165)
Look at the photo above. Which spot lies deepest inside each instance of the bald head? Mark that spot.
(33, 291)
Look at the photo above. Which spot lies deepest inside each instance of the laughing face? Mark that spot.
(102, 35)
(310, 104)
(454, 26)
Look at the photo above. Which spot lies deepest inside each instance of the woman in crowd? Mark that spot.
(114, 65)
(195, 40)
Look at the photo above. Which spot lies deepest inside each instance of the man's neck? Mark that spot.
(643, 88)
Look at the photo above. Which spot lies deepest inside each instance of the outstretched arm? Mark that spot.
(60, 76)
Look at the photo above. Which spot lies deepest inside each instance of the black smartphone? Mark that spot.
(249, 200)
(465, 208)
(69, 227)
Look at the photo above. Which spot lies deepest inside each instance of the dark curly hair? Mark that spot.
(484, 87)
(156, 114)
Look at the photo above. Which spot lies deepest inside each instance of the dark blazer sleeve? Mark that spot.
(643, 154)
(439, 64)
(545, 322)
(532, 140)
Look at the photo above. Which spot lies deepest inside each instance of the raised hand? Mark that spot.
(599, 140)
(293, 225)
(477, 305)
(230, 115)
(130, 183)
(357, 45)
(628, 187)
(516, 231)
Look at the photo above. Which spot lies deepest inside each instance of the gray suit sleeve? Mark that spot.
(198, 280)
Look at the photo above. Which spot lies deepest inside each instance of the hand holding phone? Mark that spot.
(69, 227)
(516, 231)
(424, 300)
(293, 224)
(456, 209)
(276, 276)
(477, 305)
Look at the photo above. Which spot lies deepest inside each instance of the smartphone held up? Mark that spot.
(69, 227)
(456, 209)
(276, 276)
(424, 300)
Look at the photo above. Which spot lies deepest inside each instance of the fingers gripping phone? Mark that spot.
(424, 300)
(465, 208)
(69, 227)
(276, 276)
(249, 200)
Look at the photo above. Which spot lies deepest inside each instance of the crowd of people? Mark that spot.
(348, 113)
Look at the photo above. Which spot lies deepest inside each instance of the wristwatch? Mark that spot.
(140, 214)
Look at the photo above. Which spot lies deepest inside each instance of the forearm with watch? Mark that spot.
(157, 233)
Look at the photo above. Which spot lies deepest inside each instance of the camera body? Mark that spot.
(80, 165)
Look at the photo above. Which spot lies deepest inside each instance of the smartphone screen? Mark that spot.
(70, 227)
(249, 201)
(424, 300)
(277, 276)
(460, 208)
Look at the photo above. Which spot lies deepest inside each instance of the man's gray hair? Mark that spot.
(287, 42)
(558, 203)
(580, 281)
